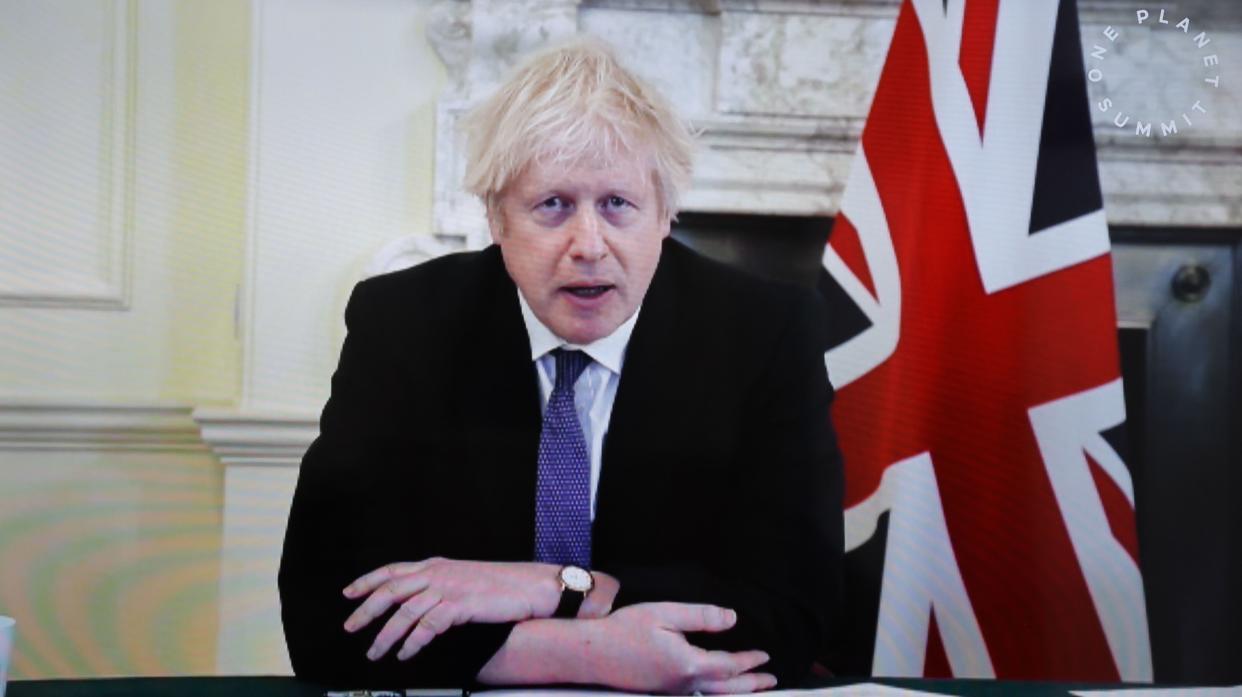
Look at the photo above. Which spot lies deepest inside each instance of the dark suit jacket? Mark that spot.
(720, 482)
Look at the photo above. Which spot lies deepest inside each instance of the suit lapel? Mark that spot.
(642, 376)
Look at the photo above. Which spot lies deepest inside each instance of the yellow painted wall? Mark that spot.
(109, 559)
(115, 560)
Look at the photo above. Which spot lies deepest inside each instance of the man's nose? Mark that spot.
(587, 237)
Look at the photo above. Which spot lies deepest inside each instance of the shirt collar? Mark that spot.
(608, 351)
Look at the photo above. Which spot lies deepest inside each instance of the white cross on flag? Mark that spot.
(979, 408)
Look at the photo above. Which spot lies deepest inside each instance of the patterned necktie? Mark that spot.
(563, 490)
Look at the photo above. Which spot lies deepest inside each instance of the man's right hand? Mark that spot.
(640, 648)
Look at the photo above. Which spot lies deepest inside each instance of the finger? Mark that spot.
(434, 623)
(688, 617)
(722, 665)
(368, 582)
(406, 616)
(395, 591)
(740, 684)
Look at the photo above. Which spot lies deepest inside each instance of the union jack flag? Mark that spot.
(978, 408)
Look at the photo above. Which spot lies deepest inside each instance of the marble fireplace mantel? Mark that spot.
(779, 90)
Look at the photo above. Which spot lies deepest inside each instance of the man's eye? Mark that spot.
(617, 202)
(553, 203)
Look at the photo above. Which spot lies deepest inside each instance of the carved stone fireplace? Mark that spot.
(780, 89)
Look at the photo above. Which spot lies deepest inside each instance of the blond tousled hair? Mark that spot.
(570, 103)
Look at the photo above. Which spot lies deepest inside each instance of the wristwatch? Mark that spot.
(576, 582)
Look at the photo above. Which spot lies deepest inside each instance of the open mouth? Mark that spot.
(588, 291)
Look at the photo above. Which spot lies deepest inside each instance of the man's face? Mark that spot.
(582, 242)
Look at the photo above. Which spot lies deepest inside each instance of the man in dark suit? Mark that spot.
(582, 455)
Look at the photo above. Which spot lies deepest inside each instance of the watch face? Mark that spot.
(577, 578)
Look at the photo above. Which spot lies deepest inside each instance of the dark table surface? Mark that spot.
(291, 687)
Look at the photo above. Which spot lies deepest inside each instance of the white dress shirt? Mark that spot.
(596, 388)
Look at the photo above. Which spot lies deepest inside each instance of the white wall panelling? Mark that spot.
(66, 167)
(256, 439)
(119, 188)
(42, 425)
(256, 506)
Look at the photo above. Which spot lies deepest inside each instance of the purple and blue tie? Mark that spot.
(563, 489)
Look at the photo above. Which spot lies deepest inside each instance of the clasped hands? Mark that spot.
(637, 648)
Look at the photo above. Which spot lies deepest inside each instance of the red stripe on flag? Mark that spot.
(975, 56)
(844, 241)
(1116, 508)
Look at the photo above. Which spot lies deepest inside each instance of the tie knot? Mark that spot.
(569, 365)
